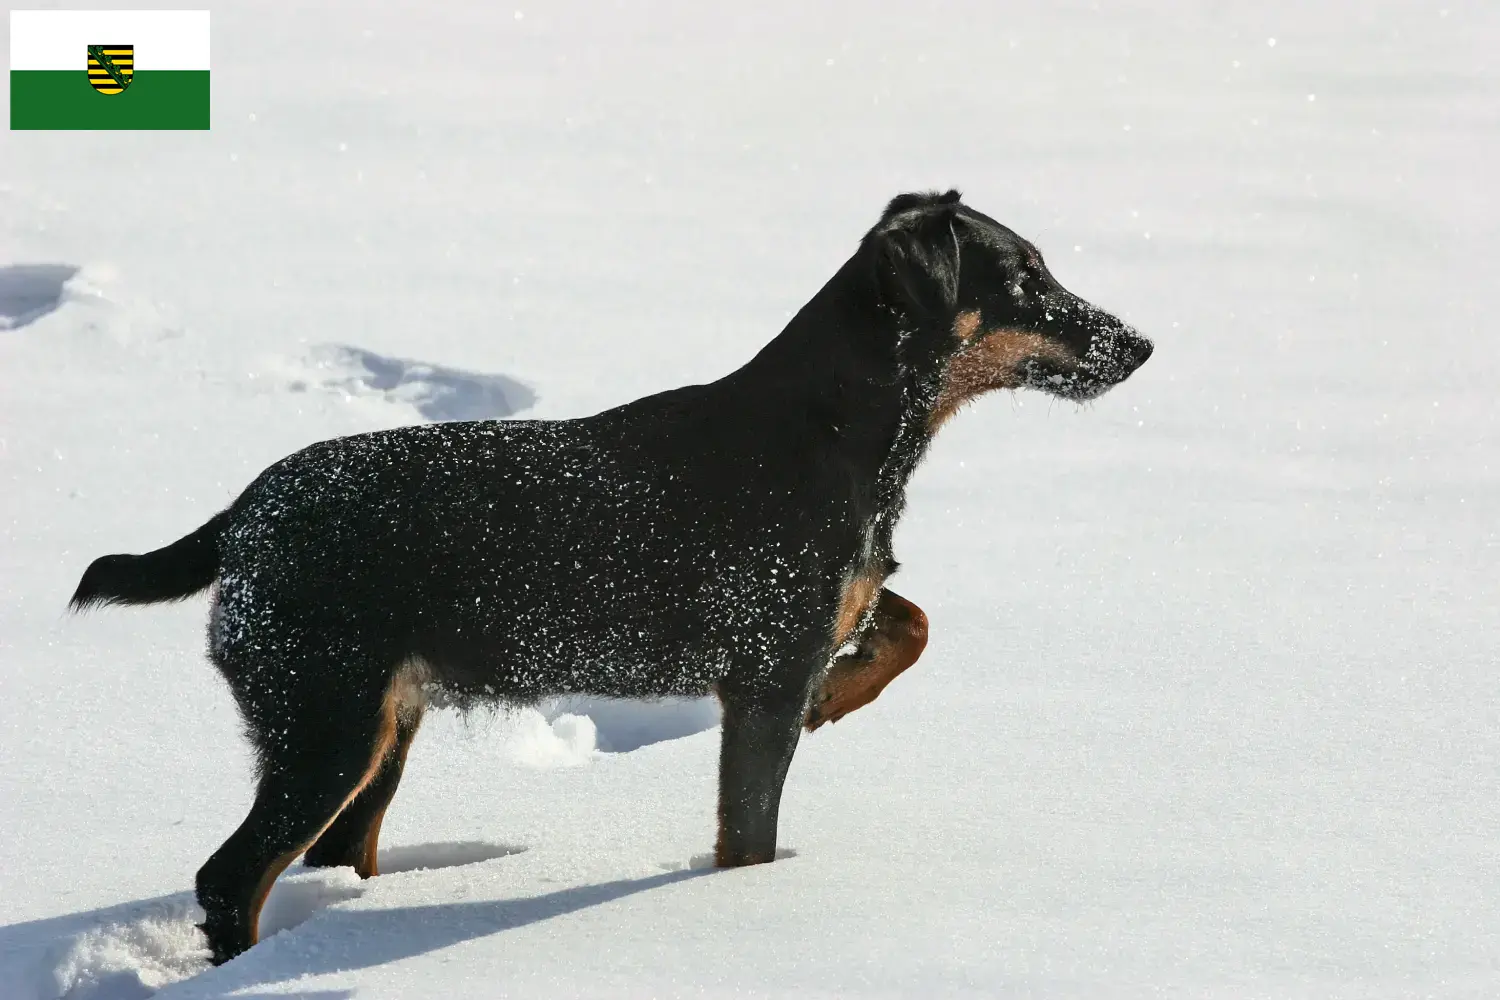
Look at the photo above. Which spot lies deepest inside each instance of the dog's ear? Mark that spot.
(917, 265)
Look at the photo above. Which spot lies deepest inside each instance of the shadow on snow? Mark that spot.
(30, 291)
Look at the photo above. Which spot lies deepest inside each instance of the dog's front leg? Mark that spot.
(761, 730)
(893, 642)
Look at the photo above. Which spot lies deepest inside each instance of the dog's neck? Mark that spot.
(842, 364)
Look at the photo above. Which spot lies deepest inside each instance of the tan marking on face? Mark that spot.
(859, 594)
(990, 360)
(965, 325)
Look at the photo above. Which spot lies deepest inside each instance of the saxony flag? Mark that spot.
(108, 69)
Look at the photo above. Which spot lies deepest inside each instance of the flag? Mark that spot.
(109, 69)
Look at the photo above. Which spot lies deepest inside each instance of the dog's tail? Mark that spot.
(171, 573)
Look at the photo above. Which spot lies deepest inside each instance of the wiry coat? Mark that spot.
(727, 538)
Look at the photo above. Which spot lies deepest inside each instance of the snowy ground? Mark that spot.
(1211, 707)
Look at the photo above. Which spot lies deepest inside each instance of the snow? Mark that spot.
(1210, 705)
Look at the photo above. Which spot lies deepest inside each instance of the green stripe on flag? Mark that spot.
(63, 99)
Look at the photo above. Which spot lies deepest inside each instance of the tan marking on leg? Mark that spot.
(406, 701)
(368, 866)
(894, 642)
(263, 889)
(719, 804)
(858, 593)
(408, 690)
(384, 740)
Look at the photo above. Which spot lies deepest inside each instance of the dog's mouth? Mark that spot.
(1114, 353)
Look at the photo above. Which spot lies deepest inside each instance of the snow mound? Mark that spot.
(621, 726)
(302, 892)
(565, 740)
(129, 959)
(571, 731)
(159, 944)
(434, 391)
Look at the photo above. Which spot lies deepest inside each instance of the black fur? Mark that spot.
(186, 567)
(916, 199)
(699, 540)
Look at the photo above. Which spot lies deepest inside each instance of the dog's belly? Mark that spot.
(659, 637)
(521, 664)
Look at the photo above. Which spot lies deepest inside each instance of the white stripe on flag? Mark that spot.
(59, 39)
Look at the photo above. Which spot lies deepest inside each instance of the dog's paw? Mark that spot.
(828, 711)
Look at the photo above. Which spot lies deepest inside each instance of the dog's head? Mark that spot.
(984, 312)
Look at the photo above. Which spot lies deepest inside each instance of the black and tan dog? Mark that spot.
(732, 538)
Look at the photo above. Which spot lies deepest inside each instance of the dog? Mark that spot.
(732, 538)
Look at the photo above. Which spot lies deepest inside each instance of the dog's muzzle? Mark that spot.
(1115, 350)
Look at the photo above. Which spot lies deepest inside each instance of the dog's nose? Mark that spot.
(1140, 351)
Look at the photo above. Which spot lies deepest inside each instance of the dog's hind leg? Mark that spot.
(760, 735)
(316, 755)
(352, 838)
(893, 642)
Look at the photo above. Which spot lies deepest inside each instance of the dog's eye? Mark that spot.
(1016, 290)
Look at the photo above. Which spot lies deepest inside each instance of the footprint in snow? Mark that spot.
(30, 291)
(158, 943)
(434, 391)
